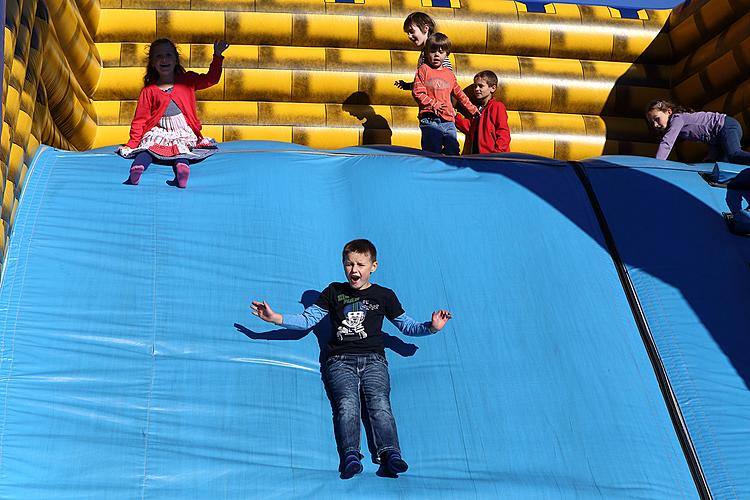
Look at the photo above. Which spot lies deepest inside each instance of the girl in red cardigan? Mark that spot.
(166, 125)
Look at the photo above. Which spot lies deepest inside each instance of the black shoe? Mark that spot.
(352, 466)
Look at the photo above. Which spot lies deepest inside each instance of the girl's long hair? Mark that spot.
(152, 76)
(664, 105)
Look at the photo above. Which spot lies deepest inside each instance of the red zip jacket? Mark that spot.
(492, 125)
(153, 102)
(432, 86)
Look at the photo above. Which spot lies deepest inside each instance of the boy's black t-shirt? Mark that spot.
(357, 317)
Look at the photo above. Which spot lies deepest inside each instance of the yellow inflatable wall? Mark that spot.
(575, 78)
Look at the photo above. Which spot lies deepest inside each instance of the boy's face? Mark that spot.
(483, 91)
(358, 267)
(435, 57)
(417, 35)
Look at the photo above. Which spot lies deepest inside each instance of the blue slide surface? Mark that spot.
(132, 368)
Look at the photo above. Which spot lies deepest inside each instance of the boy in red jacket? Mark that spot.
(488, 132)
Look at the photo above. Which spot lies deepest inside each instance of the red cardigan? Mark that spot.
(494, 134)
(153, 102)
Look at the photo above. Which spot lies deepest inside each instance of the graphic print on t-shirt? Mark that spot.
(354, 311)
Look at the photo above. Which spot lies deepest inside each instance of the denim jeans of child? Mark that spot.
(347, 374)
(438, 135)
(729, 143)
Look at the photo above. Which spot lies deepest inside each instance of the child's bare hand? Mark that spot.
(400, 84)
(124, 151)
(220, 47)
(439, 107)
(264, 312)
(440, 318)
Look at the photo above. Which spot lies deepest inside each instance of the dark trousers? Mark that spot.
(345, 375)
(729, 143)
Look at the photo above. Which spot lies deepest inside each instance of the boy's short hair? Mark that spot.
(360, 246)
(437, 41)
(420, 20)
(488, 76)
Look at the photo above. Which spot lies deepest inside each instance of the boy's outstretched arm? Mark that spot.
(308, 319)
(264, 312)
(409, 326)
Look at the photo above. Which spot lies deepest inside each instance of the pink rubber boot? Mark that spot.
(182, 172)
(135, 174)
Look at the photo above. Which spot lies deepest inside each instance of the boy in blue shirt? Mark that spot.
(356, 354)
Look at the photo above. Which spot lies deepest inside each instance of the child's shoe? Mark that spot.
(182, 172)
(393, 463)
(351, 466)
(135, 174)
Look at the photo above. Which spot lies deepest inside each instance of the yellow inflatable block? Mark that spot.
(120, 83)
(327, 31)
(15, 162)
(257, 85)
(215, 132)
(578, 150)
(116, 25)
(553, 123)
(110, 135)
(8, 200)
(358, 60)
(405, 117)
(523, 94)
(313, 58)
(287, 113)
(380, 88)
(574, 99)
(238, 56)
(516, 38)
(23, 128)
(465, 36)
(190, 25)
(107, 112)
(533, 144)
(11, 105)
(645, 48)
(383, 33)
(110, 53)
(471, 64)
(320, 86)
(325, 138)
(259, 28)
(582, 44)
(225, 112)
(254, 133)
(90, 10)
(514, 122)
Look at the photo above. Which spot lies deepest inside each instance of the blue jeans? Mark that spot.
(729, 143)
(345, 375)
(438, 135)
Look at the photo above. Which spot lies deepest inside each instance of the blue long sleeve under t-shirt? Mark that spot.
(314, 314)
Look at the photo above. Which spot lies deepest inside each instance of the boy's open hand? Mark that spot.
(440, 318)
(220, 47)
(264, 312)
